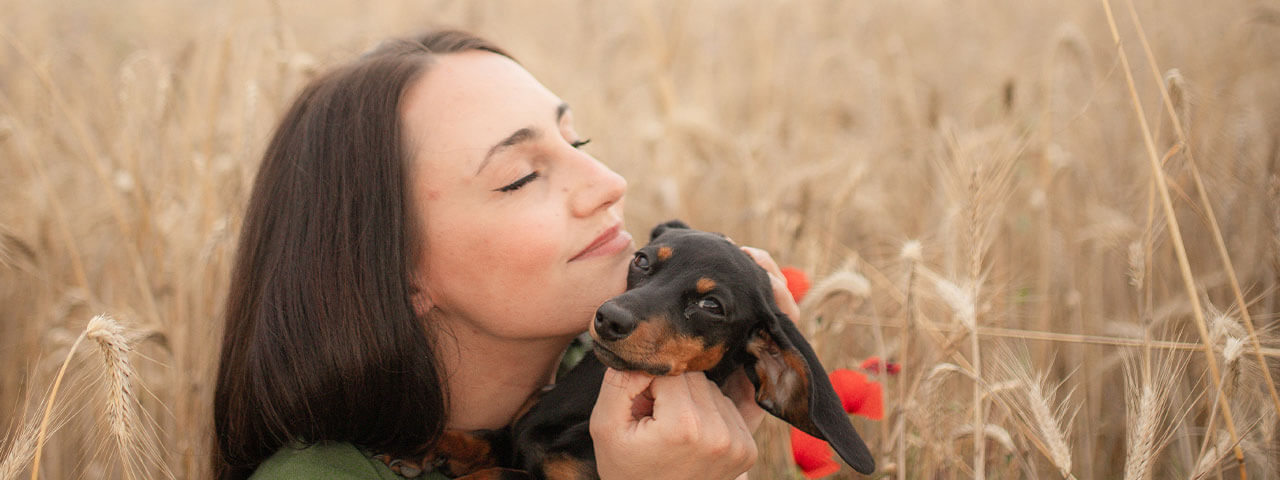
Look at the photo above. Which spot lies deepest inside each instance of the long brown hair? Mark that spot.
(321, 341)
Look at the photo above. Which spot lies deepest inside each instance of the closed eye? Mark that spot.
(513, 186)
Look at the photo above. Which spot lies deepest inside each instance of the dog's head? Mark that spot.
(695, 301)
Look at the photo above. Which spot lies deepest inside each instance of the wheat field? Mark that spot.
(1061, 218)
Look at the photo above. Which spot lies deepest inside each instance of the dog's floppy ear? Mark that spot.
(791, 384)
(663, 227)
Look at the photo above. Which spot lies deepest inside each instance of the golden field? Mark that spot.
(974, 186)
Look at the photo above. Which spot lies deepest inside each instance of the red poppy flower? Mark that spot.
(813, 456)
(874, 365)
(859, 396)
(797, 282)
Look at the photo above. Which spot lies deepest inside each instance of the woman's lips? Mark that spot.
(612, 241)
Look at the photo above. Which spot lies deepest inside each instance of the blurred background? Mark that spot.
(967, 184)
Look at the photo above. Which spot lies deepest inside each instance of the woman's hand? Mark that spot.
(683, 426)
(779, 283)
(678, 427)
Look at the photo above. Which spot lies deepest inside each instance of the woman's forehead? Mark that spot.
(465, 102)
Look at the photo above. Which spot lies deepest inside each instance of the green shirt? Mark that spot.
(339, 461)
(343, 461)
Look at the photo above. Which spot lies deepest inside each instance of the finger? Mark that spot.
(702, 391)
(782, 296)
(723, 423)
(707, 393)
(786, 303)
(766, 262)
(671, 397)
(617, 393)
(777, 281)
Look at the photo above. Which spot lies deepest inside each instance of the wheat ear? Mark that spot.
(20, 449)
(115, 348)
(1031, 403)
(1148, 392)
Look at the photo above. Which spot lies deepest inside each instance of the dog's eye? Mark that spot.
(711, 305)
(641, 261)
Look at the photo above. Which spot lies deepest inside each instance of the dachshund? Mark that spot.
(694, 302)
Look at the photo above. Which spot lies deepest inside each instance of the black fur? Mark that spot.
(670, 282)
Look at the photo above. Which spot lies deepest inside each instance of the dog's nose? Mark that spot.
(614, 322)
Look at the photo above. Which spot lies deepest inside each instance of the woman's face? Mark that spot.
(522, 233)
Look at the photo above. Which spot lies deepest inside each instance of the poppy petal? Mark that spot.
(797, 282)
(858, 395)
(873, 402)
(812, 455)
(874, 365)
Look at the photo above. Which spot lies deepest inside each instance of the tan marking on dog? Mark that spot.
(643, 341)
(784, 383)
(650, 331)
(688, 354)
(655, 343)
(797, 407)
(464, 453)
(564, 467)
(705, 285)
(709, 357)
(664, 253)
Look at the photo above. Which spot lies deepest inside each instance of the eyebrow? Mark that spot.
(522, 135)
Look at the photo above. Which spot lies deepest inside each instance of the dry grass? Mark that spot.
(964, 176)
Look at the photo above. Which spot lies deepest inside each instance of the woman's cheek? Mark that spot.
(527, 248)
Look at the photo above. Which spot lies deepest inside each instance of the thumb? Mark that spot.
(617, 393)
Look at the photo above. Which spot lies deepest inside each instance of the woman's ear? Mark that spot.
(420, 297)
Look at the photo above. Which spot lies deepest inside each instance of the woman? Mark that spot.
(423, 240)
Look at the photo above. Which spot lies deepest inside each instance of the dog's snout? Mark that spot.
(614, 322)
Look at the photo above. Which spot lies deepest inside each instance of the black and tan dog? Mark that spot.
(694, 302)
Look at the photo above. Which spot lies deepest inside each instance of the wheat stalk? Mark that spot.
(912, 253)
(995, 432)
(111, 340)
(1175, 234)
(48, 409)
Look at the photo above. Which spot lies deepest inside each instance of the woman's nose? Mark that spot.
(599, 188)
